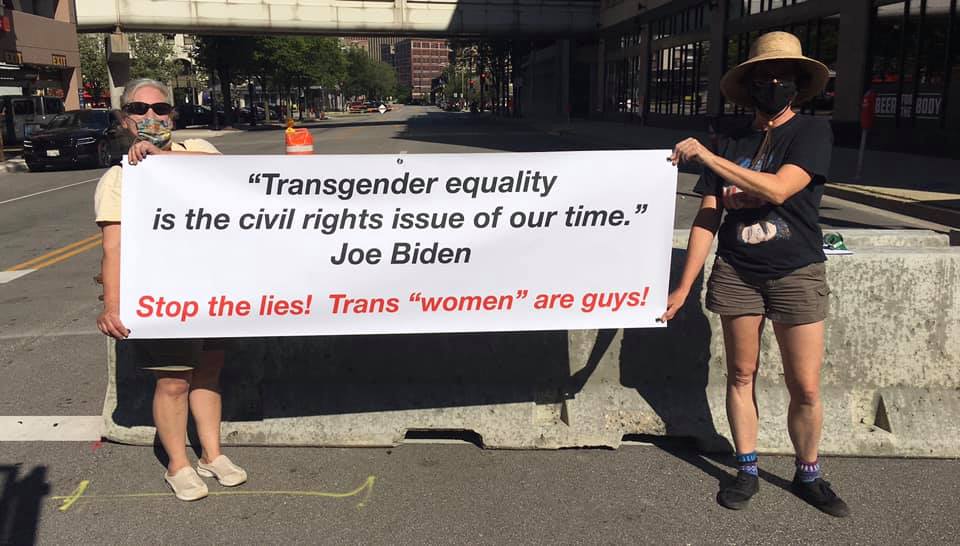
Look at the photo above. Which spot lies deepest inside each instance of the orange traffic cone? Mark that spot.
(299, 141)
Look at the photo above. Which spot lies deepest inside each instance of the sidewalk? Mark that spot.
(919, 186)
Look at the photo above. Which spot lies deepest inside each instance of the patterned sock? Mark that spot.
(747, 462)
(808, 472)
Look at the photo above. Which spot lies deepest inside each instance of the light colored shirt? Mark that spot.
(106, 199)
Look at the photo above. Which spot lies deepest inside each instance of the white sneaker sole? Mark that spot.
(183, 497)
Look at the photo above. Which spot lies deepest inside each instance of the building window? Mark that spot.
(624, 93)
(743, 8)
(679, 79)
(688, 20)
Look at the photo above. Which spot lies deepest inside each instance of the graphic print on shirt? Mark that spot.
(765, 229)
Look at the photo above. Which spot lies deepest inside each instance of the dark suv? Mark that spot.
(78, 138)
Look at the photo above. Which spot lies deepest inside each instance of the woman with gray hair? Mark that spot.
(187, 370)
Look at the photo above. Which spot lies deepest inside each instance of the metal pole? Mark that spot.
(863, 148)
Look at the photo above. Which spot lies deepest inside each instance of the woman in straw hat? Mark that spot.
(769, 177)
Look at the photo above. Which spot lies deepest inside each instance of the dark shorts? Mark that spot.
(167, 355)
(172, 355)
(800, 297)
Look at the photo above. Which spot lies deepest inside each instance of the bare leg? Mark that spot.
(801, 348)
(170, 416)
(741, 339)
(205, 403)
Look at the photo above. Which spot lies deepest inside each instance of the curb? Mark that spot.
(14, 166)
(902, 205)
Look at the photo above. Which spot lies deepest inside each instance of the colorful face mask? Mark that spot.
(154, 131)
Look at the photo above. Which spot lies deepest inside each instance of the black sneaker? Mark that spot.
(736, 494)
(819, 495)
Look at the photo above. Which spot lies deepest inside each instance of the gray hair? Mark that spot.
(134, 85)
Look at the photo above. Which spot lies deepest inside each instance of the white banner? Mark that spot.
(246, 246)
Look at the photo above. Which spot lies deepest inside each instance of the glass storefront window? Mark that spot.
(679, 79)
(623, 86)
(912, 61)
(743, 8)
(688, 20)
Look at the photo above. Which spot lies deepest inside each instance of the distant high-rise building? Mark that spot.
(356, 41)
(380, 48)
(419, 61)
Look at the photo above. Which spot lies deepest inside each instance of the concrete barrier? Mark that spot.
(891, 378)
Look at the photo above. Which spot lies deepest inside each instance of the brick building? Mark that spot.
(418, 62)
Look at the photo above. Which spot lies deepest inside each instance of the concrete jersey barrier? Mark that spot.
(891, 376)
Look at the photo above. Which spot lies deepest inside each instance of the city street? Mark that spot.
(52, 363)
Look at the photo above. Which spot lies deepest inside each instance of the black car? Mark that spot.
(192, 114)
(78, 137)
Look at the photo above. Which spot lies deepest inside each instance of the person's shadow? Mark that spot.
(20, 503)
(670, 368)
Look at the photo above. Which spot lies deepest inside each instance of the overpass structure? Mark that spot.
(333, 17)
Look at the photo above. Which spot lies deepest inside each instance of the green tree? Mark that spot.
(458, 86)
(290, 62)
(93, 65)
(228, 57)
(151, 56)
(404, 93)
(368, 77)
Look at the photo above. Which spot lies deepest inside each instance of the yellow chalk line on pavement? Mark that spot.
(78, 493)
(60, 254)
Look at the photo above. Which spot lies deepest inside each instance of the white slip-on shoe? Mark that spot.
(223, 469)
(186, 485)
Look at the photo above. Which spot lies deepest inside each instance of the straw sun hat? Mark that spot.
(775, 46)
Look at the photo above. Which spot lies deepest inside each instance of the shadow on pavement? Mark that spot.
(675, 383)
(21, 503)
(512, 135)
(305, 376)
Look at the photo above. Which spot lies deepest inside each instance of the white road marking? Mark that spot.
(39, 334)
(7, 276)
(50, 190)
(51, 428)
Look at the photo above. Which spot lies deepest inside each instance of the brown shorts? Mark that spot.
(800, 297)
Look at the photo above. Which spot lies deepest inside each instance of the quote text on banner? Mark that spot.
(246, 246)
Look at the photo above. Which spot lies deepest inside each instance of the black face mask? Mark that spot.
(771, 98)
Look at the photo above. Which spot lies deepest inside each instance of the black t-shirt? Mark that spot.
(758, 238)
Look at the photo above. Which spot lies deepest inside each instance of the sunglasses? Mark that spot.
(141, 108)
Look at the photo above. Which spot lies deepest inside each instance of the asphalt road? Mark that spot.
(52, 364)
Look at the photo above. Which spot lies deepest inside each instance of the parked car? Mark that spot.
(262, 114)
(24, 115)
(192, 114)
(374, 106)
(78, 138)
(357, 107)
